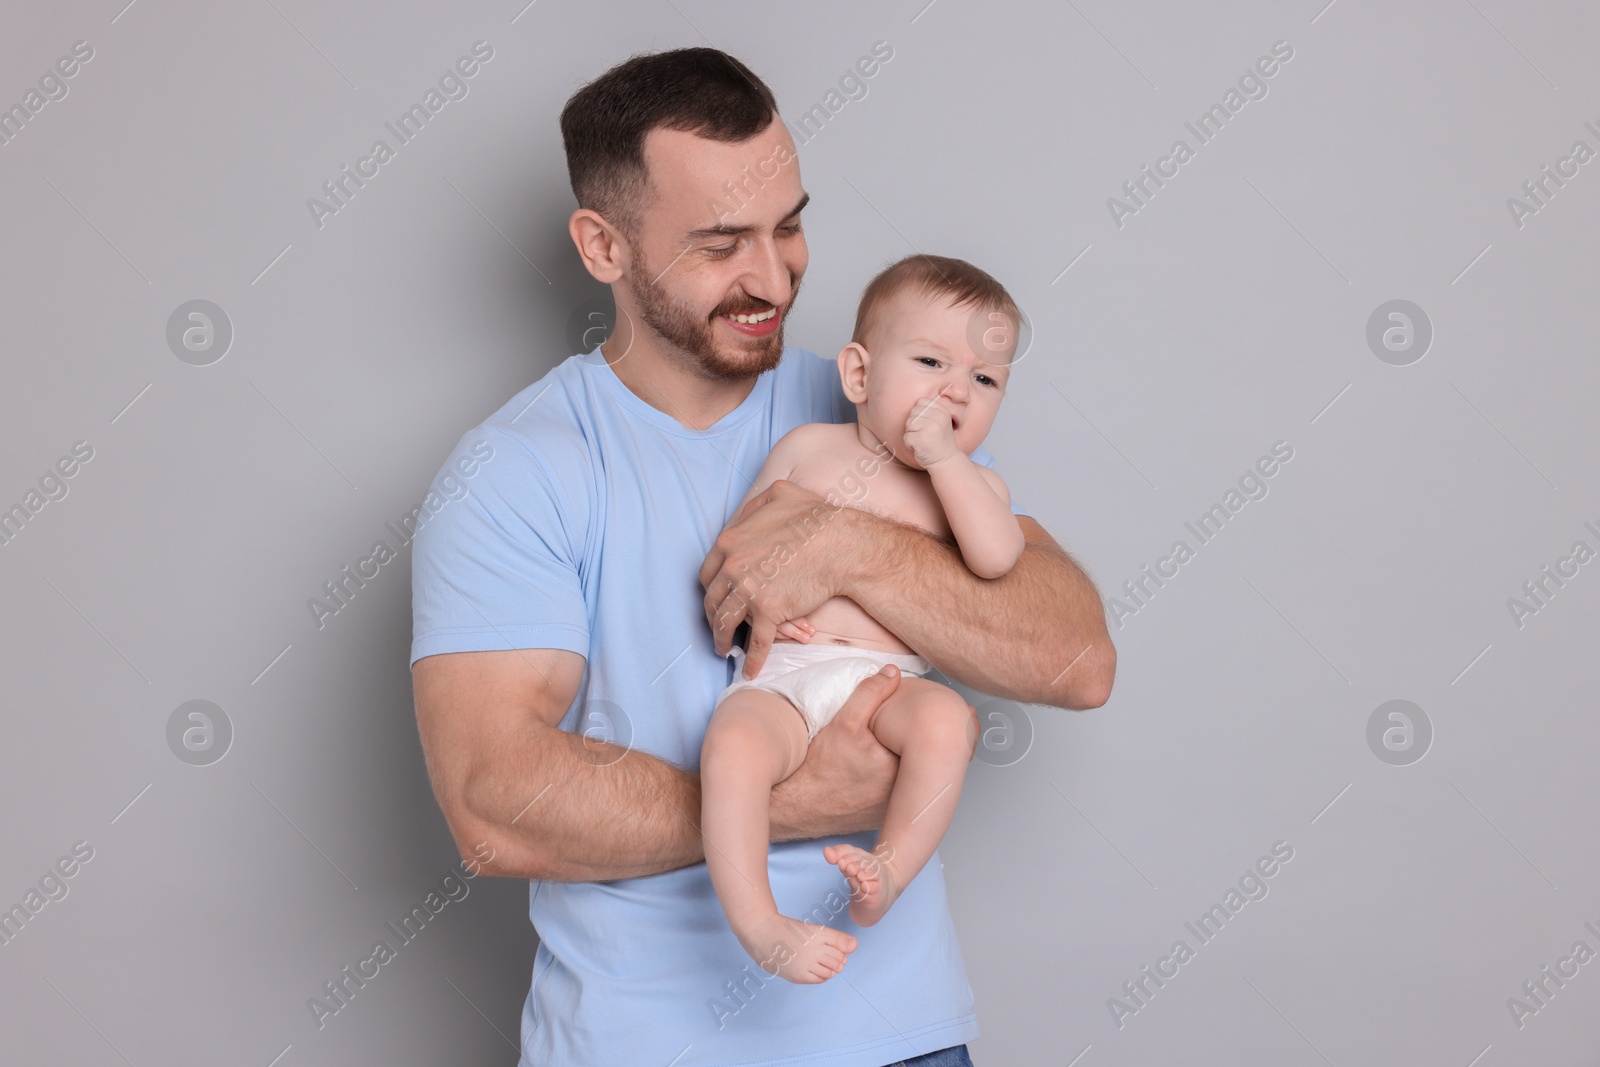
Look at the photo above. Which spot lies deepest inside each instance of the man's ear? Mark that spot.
(853, 359)
(604, 250)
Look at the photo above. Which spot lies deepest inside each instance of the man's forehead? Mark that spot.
(687, 169)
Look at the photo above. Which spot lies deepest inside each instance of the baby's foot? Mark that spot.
(801, 952)
(874, 882)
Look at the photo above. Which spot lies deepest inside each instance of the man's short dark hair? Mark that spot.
(697, 90)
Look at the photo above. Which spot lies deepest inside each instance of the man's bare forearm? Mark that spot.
(599, 812)
(1036, 634)
(556, 805)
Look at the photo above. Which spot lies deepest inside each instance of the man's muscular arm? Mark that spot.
(1035, 634)
(526, 799)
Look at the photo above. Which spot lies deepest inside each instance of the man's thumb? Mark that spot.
(875, 688)
(882, 681)
(868, 694)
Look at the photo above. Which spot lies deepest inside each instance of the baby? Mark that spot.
(926, 368)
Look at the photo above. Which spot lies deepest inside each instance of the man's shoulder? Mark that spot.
(543, 419)
(533, 445)
(804, 361)
(817, 378)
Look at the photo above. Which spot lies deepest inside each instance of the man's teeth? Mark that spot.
(751, 319)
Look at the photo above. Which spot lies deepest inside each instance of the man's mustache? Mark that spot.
(742, 309)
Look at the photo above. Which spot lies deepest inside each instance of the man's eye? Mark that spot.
(791, 230)
(721, 253)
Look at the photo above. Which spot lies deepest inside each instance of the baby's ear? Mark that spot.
(853, 371)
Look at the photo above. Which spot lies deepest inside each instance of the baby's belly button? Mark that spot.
(876, 643)
(829, 637)
(841, 622)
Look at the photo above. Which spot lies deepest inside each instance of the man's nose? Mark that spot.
(766, 276)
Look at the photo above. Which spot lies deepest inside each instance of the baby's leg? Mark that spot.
(755, 740)
(934, 733)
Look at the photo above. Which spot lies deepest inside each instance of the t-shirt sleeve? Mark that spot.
(981, 455)
(499, 547)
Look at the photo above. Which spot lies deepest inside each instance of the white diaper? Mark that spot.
(818, 678)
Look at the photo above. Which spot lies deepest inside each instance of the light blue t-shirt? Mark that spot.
(582, 525)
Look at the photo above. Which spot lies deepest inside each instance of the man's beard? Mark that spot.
(684, 329)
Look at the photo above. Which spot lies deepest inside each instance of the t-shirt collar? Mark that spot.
(597, 365)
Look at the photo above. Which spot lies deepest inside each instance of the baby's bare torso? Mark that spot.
(831, 465)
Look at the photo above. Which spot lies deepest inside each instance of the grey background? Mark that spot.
(1228, 314)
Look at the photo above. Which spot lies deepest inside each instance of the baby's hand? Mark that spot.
(930, 433)
(797, 630)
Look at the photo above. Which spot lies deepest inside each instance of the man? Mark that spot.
(566, 660)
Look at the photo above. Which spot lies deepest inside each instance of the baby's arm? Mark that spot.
(975, 499)
(977, 505)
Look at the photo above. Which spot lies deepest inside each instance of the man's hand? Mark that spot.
(778, 558)
(843, 785)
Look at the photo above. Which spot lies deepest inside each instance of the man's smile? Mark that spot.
(758, 324)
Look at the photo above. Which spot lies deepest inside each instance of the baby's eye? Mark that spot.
(984, 378)
(929, 360)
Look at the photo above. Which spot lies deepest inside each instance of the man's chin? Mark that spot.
(746, 356)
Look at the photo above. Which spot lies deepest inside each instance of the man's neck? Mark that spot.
(666, 382)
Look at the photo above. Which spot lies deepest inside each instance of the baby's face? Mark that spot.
(923, 346)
